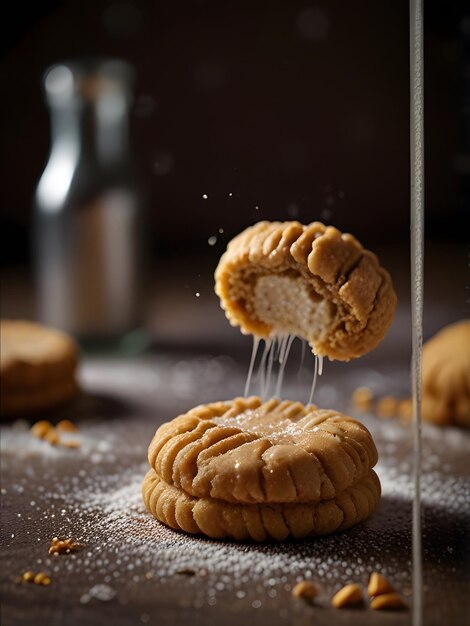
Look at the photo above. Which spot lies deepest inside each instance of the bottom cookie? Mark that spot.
(219, 519)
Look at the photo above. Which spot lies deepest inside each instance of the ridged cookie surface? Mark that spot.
(218, 519)
(247, 451)
(311, 281)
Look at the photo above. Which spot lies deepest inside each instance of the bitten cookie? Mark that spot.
(37, 366)
(446, 376)
(248, 469)
(311, 281)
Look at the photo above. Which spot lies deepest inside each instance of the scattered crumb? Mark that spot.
(63, 546)
(405, 410)
(40, 578)
(378, 585)
(388, 601)
(41, 428)
(362, 398)
(70, 443)
(149, 575)
(52, 437)
(305, 589)
(387, 406)
(186, 572)
(66, 426)
(349, 595)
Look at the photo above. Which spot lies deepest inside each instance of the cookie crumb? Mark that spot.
(52, 437)
(378, 585)
(41, 429)
(362, 398)
(405, 410)
(387, 406)
(388, 601)
(186, 572)
(63, 546)
(71, 443)
(305, 589)
(66, 426)
(349, 595)
(42, 579)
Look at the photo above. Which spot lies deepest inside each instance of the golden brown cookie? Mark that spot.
(311, 281)
(446, 376)
(37, 366)
(245, 457)
(218, 518)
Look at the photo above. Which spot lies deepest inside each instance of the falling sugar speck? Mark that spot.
(221, 230)
(197, 294)
(205, 196)
(212, 240)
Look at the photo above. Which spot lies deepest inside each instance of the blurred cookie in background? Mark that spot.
(38, 368)
(446, 376)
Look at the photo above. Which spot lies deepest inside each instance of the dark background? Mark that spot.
(298, 108)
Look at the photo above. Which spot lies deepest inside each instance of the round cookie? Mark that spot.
(219, 519)
(242, 459)
(311, 281)
(37, 366)
(446, 376)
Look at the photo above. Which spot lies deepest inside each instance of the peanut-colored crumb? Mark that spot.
(186, 571)
(41, 428)
(362, 398)
(405, 410)
(52, 437)
(42, 579)
(63, 546)
(347, 596)
(388, 601)
(378, 585)
(387, 406)
(66, 426)
(70, 443)
(305, 589)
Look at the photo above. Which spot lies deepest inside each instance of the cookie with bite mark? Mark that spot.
(307, 280)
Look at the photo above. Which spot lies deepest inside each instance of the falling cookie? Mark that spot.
(311, 281)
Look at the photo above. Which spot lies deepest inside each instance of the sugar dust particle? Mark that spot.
(197, 294)
(230, 194)
(205, 196)
(212, 240)
(256, 208)
(221, 230)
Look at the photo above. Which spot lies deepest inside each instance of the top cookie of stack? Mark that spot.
(37, 366)
(311, 281)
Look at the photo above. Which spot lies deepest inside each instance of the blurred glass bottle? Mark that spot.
(88, 237)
